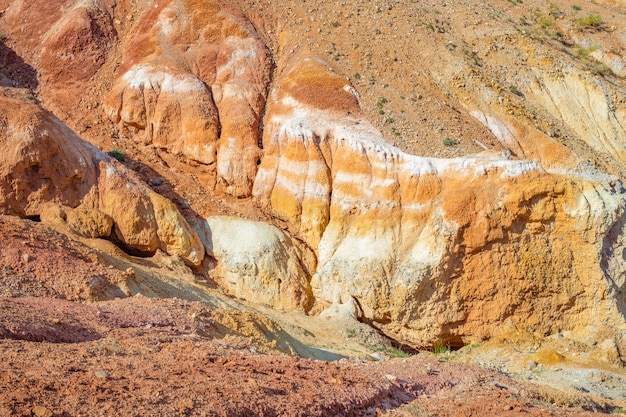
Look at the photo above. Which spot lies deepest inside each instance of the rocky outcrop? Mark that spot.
(431, 249)
(74, 49)
(590, 107)
(90, 223)
(40, 163)
(47, 163)
(60, 45)
(196, 87)
(265, 265)
(425, 249)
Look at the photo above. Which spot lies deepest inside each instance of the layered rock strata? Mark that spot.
(196, 87)
(426, 249)
(430, 249)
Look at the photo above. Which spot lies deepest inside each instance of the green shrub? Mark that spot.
(447, 141)
(393, 352)
(590, 21)
(117, 154)
(515, 90)
(584, 52)
(545, 22)
(441, 348)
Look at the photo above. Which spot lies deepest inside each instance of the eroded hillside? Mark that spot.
(432, 170)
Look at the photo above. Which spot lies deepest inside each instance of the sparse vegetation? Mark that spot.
(441, 348)
(2, 37)
(415, 410)
(601, 68)
(447, 141)
(545, 22)
(357, 76)
(473, 57)
(513, 89)
(117, 154)
(554, 10)
(333, 52)
(592, 64)
(392, 351)
(107, 347)
(31, 97)
(576, 7)
(585, 51)
(590, 21)
(350, 333)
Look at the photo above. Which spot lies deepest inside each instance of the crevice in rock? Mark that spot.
(128, 250)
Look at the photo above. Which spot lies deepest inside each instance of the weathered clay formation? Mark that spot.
(425, 249)
(196, 87)
(428, 248)
(47, 163)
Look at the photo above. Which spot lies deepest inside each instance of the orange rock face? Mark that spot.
(432, 249)
(49, 163)
(31, 136)
(426, 249)
(196, 87)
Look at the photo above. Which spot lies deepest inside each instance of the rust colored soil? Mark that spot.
(141, 356)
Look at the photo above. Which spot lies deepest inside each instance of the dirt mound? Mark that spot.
(37, 261)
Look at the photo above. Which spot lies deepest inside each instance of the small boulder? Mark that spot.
(89, 222)
(39, 411)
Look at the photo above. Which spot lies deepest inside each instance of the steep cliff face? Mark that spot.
(46, 163)
(432, 249)
(196, 87)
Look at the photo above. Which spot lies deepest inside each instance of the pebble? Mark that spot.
(40, 411)
(532, 365)
(500, 385)
(101, 374)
